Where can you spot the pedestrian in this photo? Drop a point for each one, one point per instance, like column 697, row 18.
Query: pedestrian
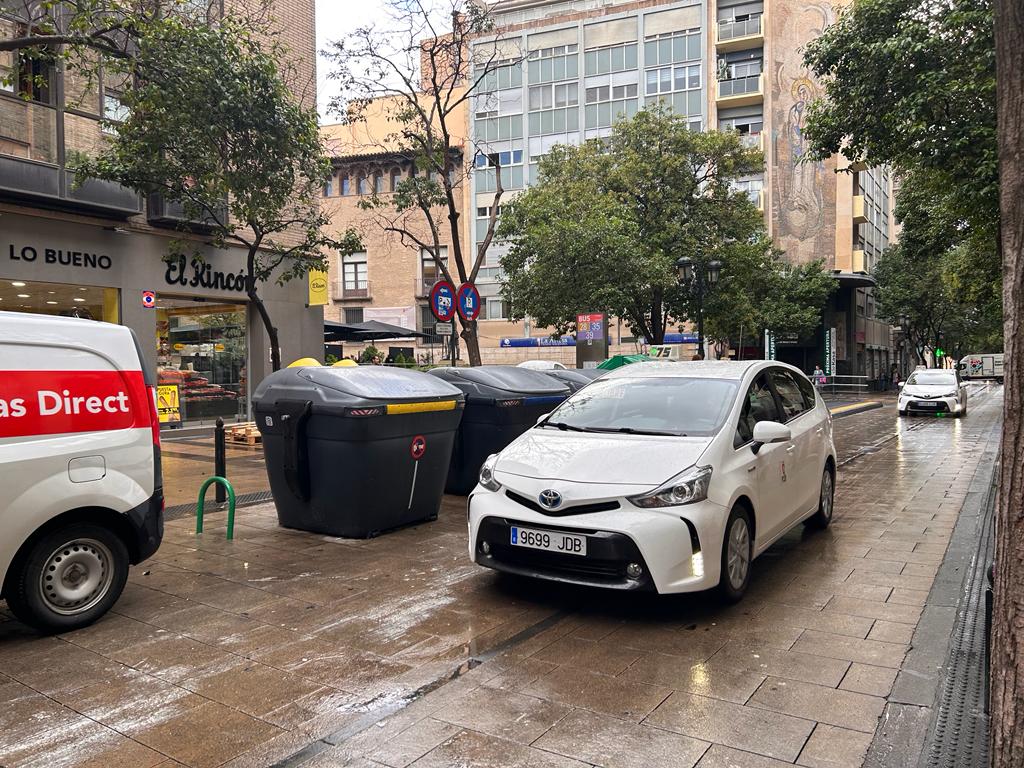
column 818, row 377
column 894, row 376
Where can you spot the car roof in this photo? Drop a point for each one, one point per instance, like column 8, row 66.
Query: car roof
column 704, row 369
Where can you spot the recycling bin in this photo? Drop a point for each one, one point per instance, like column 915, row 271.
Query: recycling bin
column 575, row 378
column 354, row 452
column 502, row 402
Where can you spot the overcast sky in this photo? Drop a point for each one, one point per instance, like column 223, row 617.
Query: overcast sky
column 334, row 19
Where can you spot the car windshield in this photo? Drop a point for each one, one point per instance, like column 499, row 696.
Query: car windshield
column 932, row 378
column 669, row 405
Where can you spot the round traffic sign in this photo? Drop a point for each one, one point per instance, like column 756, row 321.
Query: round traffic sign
column 468, row 303
column 442, row 300
column 418, row 447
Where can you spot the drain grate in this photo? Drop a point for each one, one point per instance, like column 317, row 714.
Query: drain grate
column 242, row 500
column 959, row 733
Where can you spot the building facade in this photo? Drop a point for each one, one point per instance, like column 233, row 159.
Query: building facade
column 572, row 67
column 98, row 250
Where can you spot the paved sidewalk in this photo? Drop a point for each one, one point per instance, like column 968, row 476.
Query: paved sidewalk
column 286, row 648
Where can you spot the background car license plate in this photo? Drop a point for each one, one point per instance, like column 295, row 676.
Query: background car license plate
column 551, row 541
column 927, row 404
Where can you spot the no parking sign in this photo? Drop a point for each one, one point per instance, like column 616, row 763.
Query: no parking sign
column 149, row 299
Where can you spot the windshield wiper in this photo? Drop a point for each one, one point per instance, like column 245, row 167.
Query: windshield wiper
column 634, row 431
column 564, row 427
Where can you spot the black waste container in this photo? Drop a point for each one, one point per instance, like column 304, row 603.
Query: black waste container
column 575, row 378
column 356, row 451
column 502, row 402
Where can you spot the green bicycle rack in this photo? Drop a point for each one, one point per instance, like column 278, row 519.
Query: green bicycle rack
column 202, row 503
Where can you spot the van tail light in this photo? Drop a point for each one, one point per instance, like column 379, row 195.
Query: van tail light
column 154, row 416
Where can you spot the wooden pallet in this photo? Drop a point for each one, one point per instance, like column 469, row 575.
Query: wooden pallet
column 243, row 434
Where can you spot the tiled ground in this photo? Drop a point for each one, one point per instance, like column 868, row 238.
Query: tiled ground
column 244, row 653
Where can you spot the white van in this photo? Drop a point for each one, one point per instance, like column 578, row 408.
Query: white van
column 989, row 366
column 81, row 493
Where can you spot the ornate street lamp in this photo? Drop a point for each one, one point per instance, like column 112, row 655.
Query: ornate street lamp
column 698, row 279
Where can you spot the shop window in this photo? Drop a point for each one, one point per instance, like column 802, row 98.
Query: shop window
column 202, row 355
column 87, row 302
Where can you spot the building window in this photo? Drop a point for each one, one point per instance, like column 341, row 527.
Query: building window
column 550, row 96
column 329, row 187
column 750, row 187
column 500, row 128
column 378, row 183
column 427, row 326
column 739, row 77
column 483, row 219
column 678, row 87
column 500, row 76
column 364, row 184
column 114, row 111
column 346, row 185
column 396, row 179
column 496, row 309
column 554, row 121
column 428, row 265
column 511, row 162
column 672, row 47
column 614, row 58
column 546, row 65
column 608, row 103
column 353, row 270
column 353, row 314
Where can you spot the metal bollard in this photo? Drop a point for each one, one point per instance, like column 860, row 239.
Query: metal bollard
column 220, row 460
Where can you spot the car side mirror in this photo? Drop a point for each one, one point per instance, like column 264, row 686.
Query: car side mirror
column 900, row 385
column 541, row 418
column 767, row 432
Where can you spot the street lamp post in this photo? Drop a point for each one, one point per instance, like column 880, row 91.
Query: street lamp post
column 698, row 279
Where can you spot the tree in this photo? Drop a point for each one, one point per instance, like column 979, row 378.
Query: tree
column 421, row 70
column 607, row 221
column 1007, row 649
column 213, row 125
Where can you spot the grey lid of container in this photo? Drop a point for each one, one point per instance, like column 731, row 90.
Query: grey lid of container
column 353, row 386
column 504, row 379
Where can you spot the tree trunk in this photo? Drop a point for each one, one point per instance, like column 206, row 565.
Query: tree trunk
column 469, row 336
column 275, row 345
column 1007, row 662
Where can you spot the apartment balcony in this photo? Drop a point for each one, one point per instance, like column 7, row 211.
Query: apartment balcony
column 857, row 262
column 860, row 214
column 740, row 91
column 34, row 140
column 347, row 293
column 739, row 35
column 161, row 212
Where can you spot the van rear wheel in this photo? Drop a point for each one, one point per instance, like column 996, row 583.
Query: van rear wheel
column 68, row 578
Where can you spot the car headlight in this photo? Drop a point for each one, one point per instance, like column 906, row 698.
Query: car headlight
column 950, row 394
column 688, row 487
column 487, row 474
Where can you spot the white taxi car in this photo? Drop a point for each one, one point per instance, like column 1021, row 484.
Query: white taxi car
column 933, row 390
column 670, row 477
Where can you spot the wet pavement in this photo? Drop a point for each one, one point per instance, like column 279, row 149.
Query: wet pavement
column 285, row 648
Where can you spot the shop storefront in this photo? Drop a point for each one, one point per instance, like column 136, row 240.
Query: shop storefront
column 199, row 336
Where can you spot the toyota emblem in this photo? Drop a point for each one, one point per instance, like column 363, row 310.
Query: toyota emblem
column 550, row 499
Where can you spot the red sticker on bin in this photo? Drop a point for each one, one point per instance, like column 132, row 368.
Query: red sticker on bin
column 418, row 447
column 55, row 402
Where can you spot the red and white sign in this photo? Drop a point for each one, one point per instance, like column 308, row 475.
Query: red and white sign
column 418, row 447
column 149, row 299
column 55, row 402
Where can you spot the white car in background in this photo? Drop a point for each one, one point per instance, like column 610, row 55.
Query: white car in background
column 933, row 390
column 661, row 477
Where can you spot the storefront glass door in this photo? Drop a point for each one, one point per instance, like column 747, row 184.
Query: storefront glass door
column 202, row 356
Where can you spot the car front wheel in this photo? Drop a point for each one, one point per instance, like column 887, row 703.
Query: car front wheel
column 737, row 553
column 69, row 578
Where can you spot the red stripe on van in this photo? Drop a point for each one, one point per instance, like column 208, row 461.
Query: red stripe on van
column 51, row 402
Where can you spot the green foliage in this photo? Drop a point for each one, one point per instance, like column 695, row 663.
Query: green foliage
column 605, row 225
column 603, row 228
column 370, row 355
column 214, row 126
column 911, row 84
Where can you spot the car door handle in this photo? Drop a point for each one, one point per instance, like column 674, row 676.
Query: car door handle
column 752, row 468
column 790, row 449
